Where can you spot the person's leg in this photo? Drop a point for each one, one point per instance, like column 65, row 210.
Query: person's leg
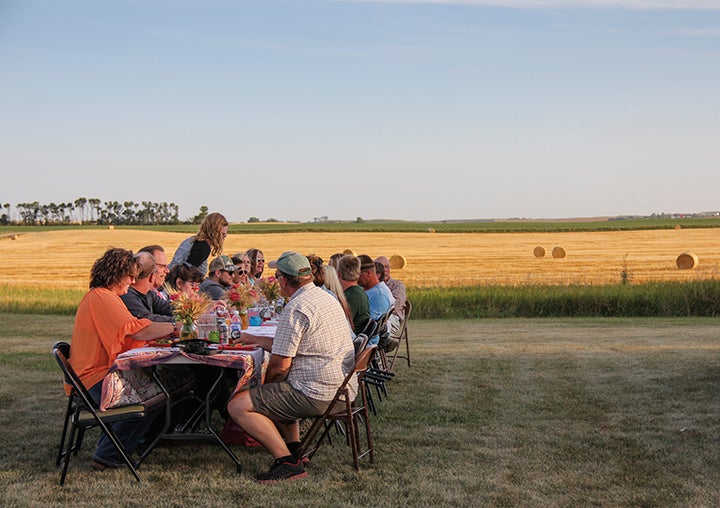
column 257, row 425
column 129, row 433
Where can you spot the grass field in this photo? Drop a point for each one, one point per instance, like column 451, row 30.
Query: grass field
column 568, row 412
column 62, row 258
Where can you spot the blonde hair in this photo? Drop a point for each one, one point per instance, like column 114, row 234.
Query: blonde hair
column 332, row 282
column 211, row 232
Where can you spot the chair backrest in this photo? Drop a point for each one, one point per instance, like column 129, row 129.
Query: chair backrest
column 360, row 342
column 71, row 377
column 362, row 362
column 403, row 325
column 382, row 322
column 369, row 328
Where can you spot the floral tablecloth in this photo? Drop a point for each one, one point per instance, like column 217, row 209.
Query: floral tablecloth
column 251, row 363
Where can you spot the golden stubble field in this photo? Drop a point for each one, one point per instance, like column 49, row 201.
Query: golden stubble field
column 64, row 258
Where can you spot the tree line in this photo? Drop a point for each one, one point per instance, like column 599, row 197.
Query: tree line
column 94, row 211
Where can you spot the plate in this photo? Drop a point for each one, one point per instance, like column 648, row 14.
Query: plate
column 160, row 344
column 236, row 347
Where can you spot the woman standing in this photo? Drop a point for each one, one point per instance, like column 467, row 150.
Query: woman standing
column 208, row 241
column 103, row 329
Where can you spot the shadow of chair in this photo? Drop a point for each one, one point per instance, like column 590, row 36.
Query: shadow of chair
column 350, row 412
column 83, row 413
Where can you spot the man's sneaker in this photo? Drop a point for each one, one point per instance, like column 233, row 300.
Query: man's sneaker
column 298, row 452
column 282, row 470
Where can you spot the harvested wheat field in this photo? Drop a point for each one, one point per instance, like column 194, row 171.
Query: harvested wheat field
column 64, row 258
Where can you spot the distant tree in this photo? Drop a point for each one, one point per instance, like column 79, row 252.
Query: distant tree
column 253, row 219
column 200, row 216
column 80, row 204
column 359, row 220
column 272, row 219
column 94, row 208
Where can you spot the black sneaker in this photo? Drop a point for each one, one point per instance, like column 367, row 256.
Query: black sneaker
column 298, row 452
column 282, row 470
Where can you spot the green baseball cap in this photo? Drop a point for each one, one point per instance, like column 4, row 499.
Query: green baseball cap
column 293, row 264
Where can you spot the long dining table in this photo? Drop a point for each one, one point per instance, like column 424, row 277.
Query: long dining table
column 248, row 361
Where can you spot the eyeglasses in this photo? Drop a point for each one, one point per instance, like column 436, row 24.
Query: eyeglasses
column 240, row 272
column 194, row 285
column 260, row 260
column 160, row 265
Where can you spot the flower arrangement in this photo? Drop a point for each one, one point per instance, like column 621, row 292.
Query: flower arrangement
column 241, row 296
column 187, row 307
column 270, row 288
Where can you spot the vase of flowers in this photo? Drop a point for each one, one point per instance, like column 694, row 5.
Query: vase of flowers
column 187, row 307
column 240, row 297
column 270, row 288
column 188, row 331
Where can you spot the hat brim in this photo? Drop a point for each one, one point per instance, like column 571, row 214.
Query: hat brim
column 272, row 264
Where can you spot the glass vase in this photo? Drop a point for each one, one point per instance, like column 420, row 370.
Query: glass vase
column 189, row 331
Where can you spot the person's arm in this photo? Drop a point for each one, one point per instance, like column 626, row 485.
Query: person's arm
column 259, row 340
column 156, row 331
column 278, row 368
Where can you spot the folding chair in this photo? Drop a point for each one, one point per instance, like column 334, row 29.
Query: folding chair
column 83, row 413
column 346, row 410
column 403, row 337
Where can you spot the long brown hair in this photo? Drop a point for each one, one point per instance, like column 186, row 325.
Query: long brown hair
column 211, row 232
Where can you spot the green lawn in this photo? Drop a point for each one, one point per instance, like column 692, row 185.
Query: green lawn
column 529, row 412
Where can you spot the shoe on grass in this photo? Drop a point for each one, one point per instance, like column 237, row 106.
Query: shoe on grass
column 286, row 468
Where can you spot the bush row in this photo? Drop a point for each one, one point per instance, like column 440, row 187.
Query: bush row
column 658, row 299
column 662, row 299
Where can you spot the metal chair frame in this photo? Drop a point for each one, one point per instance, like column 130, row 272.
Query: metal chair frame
column 83, row 413
column 350, row 414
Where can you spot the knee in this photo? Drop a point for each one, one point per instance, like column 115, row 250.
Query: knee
column 240, row 404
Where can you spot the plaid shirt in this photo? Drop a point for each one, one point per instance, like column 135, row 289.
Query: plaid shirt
column 314, row 332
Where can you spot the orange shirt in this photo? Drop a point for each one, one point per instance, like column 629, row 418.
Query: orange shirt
column 100, row 333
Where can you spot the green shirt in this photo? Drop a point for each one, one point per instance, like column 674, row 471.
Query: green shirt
column 359, row 307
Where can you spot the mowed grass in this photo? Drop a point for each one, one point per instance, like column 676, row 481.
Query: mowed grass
column 63, row 258
column 583, row 412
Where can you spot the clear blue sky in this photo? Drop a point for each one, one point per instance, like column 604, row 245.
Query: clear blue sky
column 407, row 110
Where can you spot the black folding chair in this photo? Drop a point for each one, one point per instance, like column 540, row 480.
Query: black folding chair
column 83, row 413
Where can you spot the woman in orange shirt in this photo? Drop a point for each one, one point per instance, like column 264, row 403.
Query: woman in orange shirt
column 103, row 329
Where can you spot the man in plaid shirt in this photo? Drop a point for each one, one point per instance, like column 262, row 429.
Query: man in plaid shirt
column 312, row 352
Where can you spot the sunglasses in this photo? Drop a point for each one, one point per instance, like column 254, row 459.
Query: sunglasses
column 240, row 272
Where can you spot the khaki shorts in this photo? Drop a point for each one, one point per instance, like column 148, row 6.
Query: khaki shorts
column 282, row 403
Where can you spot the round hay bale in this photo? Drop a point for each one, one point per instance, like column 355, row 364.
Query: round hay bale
column 111, row 226
column 686, row 261
column 678, row 226
column 431, row 230
column 349, row 252
column 558, row 252
column 539, row 252
column 397, row 262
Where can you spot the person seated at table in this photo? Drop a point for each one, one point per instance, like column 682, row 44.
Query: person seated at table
column 397, row 288
column 332, row 284
column 141, row 299
column 257, row 264
column 161, row 268
column 312, row 352
column 103, row 329
column 335, row 259
column 185, row 278
column 242, row 269
column 349, row 273
column 379, row 296
column 220, row 278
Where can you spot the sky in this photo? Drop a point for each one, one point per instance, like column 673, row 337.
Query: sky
column 414, row 110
